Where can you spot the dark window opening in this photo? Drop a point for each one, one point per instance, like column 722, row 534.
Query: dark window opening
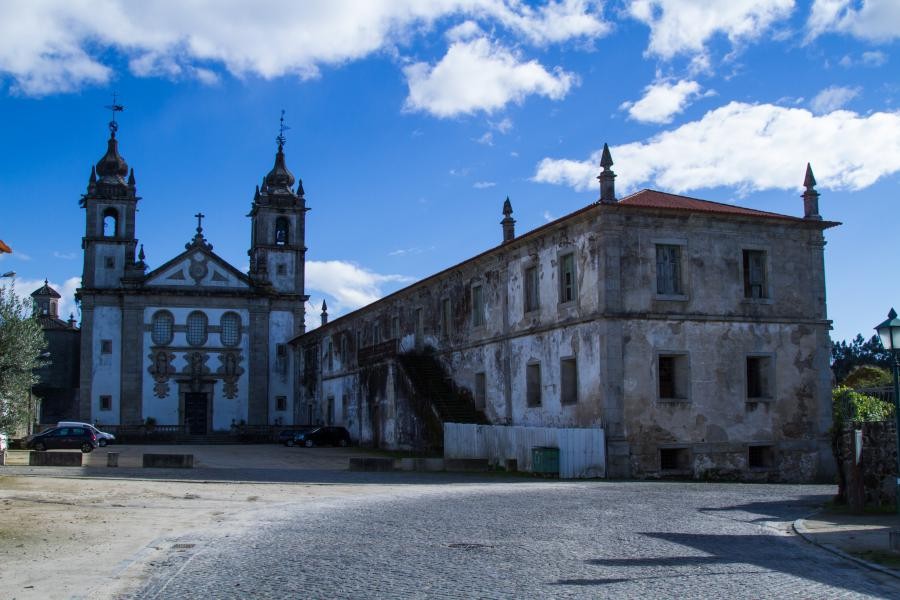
column 163, row 326
column 668, row 270
column 480, row 390
column 755, row 284
column 674, row 459
column 532, row 296
column 105, row 346
column 445, row 316
column 533, row 384
column 109, row 262
column 673, row 377
column 395, row 328
column 568, row 375
column 196, row 328
column 281, row 269
column 282, row 231
column 105, row 402
column 759, row 379
column 761, row 457
column 281, row 403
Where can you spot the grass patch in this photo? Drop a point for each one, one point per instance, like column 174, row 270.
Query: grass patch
column 885, row 559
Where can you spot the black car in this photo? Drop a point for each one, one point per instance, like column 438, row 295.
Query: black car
column 321, row 436
column 286, row 436
column 63, row 438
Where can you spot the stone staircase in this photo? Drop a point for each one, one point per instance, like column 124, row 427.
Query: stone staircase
column 435, row 388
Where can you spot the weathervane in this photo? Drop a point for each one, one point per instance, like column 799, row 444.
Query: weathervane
column 114, row 108
column 281, row 129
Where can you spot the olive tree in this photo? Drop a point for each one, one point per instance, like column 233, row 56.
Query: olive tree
column 21, row 344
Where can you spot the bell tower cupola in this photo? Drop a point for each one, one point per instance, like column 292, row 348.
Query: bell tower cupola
column 110, row 205
column 278, row 227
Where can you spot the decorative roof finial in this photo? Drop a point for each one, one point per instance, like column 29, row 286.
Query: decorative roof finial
column 324, row 313
column 281, row 129
column 141, row 255
column 508, row 223
column 810, row 196
column 199, row 216
column 114, row 108
column 607, row 178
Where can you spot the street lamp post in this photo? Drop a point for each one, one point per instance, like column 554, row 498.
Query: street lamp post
column 889, row 332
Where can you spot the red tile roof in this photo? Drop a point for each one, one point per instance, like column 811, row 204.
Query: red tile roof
column 5, row 248
column 655, row 199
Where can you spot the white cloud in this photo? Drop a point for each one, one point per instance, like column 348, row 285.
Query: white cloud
column 874, row 20
column 487, row 139
column 684, row 26
column 483, row 185
column 350, row 285
column 873, row 59
column 504, row 126
column 480, row 75
column 832, row 98
column 662, row 101
column 749, row 147
column 65, row 255
column 55, row 46
column 66, row 289
column 548, row 217
column 464, row 31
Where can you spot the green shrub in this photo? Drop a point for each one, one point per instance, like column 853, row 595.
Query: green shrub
column 868, row 376
column 850, row 405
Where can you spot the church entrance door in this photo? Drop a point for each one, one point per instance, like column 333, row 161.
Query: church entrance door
column 195, row 405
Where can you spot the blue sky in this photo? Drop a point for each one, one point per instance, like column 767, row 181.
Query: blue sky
column 412, row 121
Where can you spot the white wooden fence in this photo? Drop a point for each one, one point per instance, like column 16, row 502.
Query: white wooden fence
column 582, row 452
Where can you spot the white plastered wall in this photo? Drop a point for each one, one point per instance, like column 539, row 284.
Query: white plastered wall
column 106, row 369
column 281, row 327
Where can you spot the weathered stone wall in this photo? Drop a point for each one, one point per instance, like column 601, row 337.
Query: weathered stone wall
column 617, row 326
column 872, row 482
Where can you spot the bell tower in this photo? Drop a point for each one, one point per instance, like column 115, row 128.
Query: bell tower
column 278, row 228
column 110, row 205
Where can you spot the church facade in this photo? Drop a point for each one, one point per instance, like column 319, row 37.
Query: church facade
column 194, row 342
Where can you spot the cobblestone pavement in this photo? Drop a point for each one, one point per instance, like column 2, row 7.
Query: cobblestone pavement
column 506, row 539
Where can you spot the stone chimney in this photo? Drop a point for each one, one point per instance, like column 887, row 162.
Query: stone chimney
column 607, row 178
column 810, row 196
column 508, row 223
column 324, row 313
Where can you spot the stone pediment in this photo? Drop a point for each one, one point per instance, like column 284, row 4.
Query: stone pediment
column 197, row 267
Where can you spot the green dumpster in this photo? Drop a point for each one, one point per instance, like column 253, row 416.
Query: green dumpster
column 545, row 460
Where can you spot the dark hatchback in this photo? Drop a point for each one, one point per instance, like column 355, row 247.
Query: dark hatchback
column 63, row 438
column 322, row 436
column 286, row 436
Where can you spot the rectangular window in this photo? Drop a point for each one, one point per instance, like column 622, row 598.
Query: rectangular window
column 568, row 381
column 281, row 269
column 105, row 346
column 105, row 402
column 445, row 316
column 533, row 384
column 329, row 415
column 668, row 270
column 674, row 459
column 281, row 350
column 344, row 348
column 567, row 278
column 420, row 324
column 674, row 376
column 395, row 328
column 755, row 284
column 376, row 333
column 760, row 457
column 759, row 377
column 477, row 306
column 281, row 403
column 109, row 262
column 359, row 340
column 480, row 390
column 532, row 297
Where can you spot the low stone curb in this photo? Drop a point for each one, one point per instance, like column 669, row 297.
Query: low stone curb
column 800, row 529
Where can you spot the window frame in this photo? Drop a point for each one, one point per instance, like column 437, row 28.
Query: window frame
column 480, row 390
column 676, row 355
column 681, row 276
column 478, row 312
column 157, row 318
column 564, row 299
column 531, row 301
column 769, row 366
column 530, row 392
column 187, row 329
column 223, row 327
column 106, row 347
column 747, row 252
column 446, row 316
column 105, row 402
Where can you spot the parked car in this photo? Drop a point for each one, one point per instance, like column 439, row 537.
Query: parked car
column 63, row 438
column 286, row 436
column 320, row 436
column 103, row 438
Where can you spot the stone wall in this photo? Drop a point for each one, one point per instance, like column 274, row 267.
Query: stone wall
column 871, row 482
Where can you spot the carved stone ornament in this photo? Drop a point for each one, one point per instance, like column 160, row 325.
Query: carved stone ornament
column 161, row 370
column 198, row 270
column 230, row 371
column 196, row 368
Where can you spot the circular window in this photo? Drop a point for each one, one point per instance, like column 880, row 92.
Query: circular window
column 231, row 329
column 196, row 328
column 161, row 332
